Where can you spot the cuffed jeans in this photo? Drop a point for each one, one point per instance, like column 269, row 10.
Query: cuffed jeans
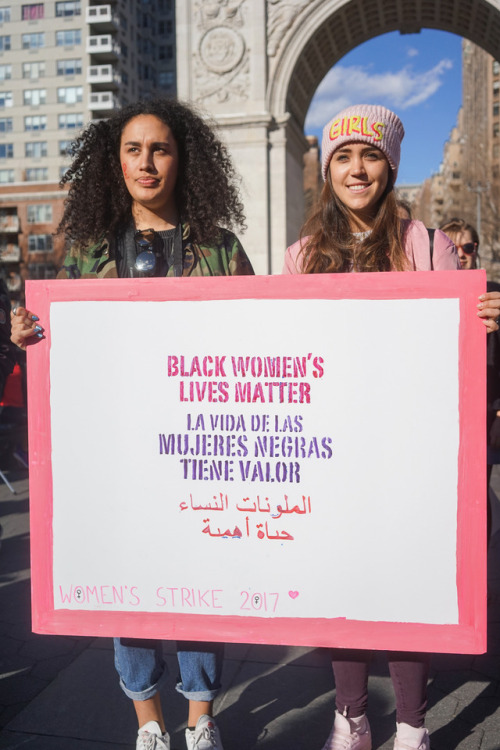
column 141, row 668
column 409, row 674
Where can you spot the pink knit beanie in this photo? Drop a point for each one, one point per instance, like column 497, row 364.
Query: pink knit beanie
column 364, row 123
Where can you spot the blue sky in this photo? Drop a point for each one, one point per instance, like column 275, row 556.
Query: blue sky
column 418, row 76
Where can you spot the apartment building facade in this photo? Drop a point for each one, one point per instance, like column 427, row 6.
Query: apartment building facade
column 468, row 182
column 62, row 65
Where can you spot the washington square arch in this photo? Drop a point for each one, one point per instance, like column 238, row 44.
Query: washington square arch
column 254, row 66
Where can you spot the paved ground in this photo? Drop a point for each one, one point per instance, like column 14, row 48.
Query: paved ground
column 58, row 693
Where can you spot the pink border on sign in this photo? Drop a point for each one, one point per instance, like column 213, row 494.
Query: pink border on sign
column 469, row 636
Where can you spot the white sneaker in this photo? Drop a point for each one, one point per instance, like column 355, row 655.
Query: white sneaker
column 150, row 737
column 206, row 736
column 410, row 738
column 342, row 737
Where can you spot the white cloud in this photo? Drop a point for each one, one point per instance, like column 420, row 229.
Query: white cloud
column 402, row 89
column 412, row 52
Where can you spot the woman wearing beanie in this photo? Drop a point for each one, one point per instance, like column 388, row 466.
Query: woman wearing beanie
column 355, row 227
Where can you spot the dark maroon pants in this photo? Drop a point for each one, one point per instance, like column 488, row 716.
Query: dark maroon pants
column 409, row 673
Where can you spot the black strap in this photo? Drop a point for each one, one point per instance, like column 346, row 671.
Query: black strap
column 126, row 252
column 431, row 245
column 178, row 250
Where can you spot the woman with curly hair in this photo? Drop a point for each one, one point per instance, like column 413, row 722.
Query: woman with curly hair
column 148, row 192
column 356, row 227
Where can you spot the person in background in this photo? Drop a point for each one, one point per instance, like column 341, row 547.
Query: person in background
column 466, row 239
column 149, row 192
column 356, row 227
column 8, row 353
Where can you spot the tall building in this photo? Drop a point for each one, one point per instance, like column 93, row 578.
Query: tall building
column 481, row 148
column 62, row 65
column 468, row 182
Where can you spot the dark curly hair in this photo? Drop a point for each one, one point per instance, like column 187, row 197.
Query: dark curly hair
column 98, row 201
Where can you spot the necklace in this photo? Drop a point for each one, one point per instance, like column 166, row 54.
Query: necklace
column 360, row 236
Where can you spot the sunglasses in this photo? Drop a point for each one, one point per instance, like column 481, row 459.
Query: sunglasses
column 145, row 261
column 468, row 247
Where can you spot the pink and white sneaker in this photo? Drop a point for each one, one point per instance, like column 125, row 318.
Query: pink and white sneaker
column 411, row 738
column 344, row 737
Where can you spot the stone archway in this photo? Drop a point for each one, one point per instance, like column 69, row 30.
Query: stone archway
column 254, row 65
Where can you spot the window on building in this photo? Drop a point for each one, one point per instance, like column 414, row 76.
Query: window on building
column 65, row 148
column 166, row 78
column 70, row 121
column 69, row 8
column 496, row 129
column 35, row 149
column 35, row 122
column 6, row 175
column 62, row 172
column 145, row 46
column 6, row 150
column 32, row 11
column 39, row 213
column 496, row 67
column 33, row 41
column 69, row 67
column 496, row 150
column 165, row 27
column 5, row 14
column 5, row 124
column 33, row 70
column 37, row 174
column 68, row 38
column 35, row 97
column 39, row 243
column 496, row 88
column 4, row 43
column 42, row 271
column 69, row 94
column 5, row 72
column 6, row 99
column 496, row 109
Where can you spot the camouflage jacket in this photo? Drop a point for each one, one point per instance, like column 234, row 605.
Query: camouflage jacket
column 224, row 257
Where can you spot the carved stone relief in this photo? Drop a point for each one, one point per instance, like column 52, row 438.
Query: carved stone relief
column 221, row 63
column 281, row 14
column 221, row 49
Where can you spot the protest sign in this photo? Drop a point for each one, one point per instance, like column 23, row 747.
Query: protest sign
column 261, row 459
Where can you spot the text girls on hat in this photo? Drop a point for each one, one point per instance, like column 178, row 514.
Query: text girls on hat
column 364, row 123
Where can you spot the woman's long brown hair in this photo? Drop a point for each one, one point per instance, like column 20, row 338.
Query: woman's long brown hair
column 330, row 246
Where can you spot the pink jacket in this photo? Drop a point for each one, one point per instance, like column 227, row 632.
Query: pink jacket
column 444, row 257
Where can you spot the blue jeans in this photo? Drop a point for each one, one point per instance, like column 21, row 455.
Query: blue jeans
column 141, row 668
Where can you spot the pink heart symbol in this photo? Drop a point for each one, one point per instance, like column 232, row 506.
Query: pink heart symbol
column 293, row 594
